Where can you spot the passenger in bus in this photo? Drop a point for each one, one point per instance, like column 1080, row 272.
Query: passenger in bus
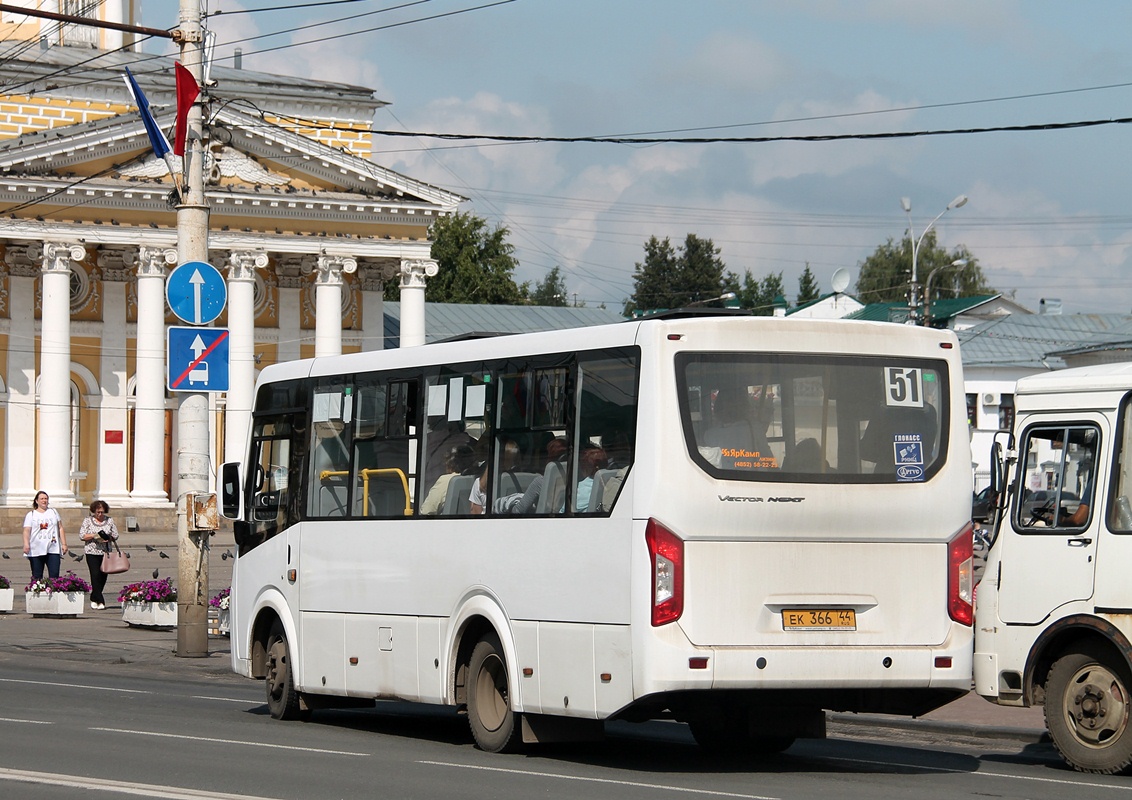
column 443, row 436
column 459, row 458
column 741, row 439
column 509, row 456
column 590, row 460
column 806, row 458
column 557, row 449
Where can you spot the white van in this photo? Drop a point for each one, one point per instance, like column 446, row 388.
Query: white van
column 1053, row 614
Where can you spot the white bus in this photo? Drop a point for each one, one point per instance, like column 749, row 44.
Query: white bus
column 1054, row 610
column 730, row 521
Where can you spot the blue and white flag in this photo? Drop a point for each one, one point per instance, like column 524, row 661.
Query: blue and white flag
column 161, row 146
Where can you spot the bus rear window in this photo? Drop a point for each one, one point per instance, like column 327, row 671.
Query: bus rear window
column 814, row 418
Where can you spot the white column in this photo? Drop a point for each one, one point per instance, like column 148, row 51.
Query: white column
column 149, row 403
column 413, row 274
column 113, row 416
column 241, row 349
column 328, row 303
column 290, row 271
column 55, row 372
column 19, row 436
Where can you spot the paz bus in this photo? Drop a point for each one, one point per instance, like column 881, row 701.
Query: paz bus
column 1054, row 610
column 734, row 522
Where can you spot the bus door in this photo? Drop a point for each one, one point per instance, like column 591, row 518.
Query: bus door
column 1113, row 589
column 1049, row 544
column 273, row 496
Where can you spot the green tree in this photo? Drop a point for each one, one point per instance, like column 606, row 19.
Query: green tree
column 771, row 292
column 476, row 264
column 551, row 290
column 671, row 277
column 885, row 276
column 807, row 286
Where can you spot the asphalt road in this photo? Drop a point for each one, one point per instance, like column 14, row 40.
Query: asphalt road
column 189, row 729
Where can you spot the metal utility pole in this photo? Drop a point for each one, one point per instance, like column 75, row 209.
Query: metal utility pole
column 192, row 411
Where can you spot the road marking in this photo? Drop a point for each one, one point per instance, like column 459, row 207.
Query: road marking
column 119, row 787
column 1034, row 778
column 214, row 740
column 635, row 784
column 76, row 686
column 256, row 702
column 28, row 721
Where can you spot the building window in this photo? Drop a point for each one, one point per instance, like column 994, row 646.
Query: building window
column 1006, row 413
column 972, row 410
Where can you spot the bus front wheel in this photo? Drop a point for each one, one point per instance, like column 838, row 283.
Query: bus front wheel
column 1087, row 711
column 495, row 726
column 282, row 699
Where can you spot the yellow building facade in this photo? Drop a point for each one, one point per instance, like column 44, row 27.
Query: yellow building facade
column 305, row 228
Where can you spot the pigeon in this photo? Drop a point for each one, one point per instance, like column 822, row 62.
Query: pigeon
column 5, row 555
column 76, row 556
column 162, row 554
column 150, row 548
column 155, row 573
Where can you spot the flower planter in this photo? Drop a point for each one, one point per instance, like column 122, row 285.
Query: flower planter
column 224, row 621
column 150, row 615
column 7, row 596
column 55, row 604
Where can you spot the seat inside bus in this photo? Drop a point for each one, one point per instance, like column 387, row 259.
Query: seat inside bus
column 456, row 499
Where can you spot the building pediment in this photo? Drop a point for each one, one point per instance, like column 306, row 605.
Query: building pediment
column 244, row 150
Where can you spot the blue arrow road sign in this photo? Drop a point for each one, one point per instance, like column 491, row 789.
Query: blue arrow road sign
column 196, row 292
column 197, row 359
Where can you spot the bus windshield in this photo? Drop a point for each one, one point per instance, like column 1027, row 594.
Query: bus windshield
column 773, row 417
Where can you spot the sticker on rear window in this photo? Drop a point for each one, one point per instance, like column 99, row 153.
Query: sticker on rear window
column 904, row 387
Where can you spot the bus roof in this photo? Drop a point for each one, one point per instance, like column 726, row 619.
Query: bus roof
column 1098, row 377
column 830, row 333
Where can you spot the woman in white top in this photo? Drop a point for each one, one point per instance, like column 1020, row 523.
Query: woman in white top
column 44, row 541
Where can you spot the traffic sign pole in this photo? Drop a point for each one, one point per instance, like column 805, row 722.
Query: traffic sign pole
column 193, row 466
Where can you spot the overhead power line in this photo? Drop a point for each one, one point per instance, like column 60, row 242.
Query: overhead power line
column 830, row 137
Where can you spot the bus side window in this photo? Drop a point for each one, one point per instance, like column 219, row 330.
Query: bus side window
column 1120, row 512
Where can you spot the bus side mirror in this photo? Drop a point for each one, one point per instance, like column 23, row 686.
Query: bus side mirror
column 997, row 478
column 230, row 490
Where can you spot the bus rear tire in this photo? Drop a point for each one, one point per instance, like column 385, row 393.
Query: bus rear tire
column 495, row 725
column 1087, row 711
column 282, row 699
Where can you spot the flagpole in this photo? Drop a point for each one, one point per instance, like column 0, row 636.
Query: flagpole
column 193, row 466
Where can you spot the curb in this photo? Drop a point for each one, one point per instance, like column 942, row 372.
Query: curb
column 948, row 729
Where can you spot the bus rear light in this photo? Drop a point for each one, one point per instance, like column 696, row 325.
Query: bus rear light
column 666, row 555
column 960, row 580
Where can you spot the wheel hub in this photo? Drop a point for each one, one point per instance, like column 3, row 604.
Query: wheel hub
column 1098, row 709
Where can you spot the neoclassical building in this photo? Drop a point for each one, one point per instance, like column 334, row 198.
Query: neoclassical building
column 304, row 225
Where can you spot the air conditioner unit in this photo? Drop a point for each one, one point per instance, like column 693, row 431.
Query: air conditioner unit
column 990, row 399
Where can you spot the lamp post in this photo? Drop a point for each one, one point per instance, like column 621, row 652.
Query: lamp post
column 960, row 263
column 914, row 287
column 724, row 297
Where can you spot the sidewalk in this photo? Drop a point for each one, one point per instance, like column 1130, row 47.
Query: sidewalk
column 101, row 638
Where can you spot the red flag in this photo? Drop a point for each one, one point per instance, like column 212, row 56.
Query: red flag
column 187, row 91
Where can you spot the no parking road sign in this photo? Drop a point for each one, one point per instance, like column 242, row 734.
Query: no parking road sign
column 197, row 359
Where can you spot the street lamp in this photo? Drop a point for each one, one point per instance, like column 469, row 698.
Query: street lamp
column 960, row 263
column 724, row 297
column 914, row 288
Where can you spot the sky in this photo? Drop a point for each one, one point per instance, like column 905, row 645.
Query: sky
column 1049, row 213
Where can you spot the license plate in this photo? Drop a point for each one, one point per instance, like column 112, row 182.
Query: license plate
column 819, row 619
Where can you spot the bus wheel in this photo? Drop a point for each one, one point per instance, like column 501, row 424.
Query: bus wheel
column 495, row 726
column 282, row 699
column 1087, row 711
